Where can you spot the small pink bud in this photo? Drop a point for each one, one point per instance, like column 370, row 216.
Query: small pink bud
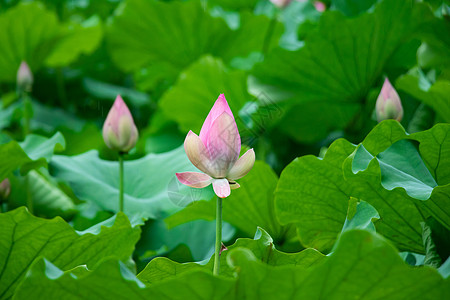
column 5, row 189
column 388, row 104
column 119, row 131
column 24, row 77
column 320, row 6
column 281, row 3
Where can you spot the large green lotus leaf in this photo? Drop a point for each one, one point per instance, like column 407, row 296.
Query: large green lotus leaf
column 363, row 266
column 112, row 280
column 198, row 236
column 400, row 168
column 34, row 152
column 191, row 98
column 48, row 199
column 262, row 246
column 151, row 188
column 33, row 34
column 325, row 83
column 314, row 193
column 435, row 96
column 24, row 238
column 235, row 5
column 77, row 39
column 247, row 207
column 28, row 33
column 435, row 151
column 177, row 34
column 352, row 7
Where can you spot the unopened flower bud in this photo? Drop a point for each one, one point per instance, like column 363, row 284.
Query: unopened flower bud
column 320, row 6
column 119, row 131
column 5, row 189
column 24, row 77
column 281, row 3
column 388, row 104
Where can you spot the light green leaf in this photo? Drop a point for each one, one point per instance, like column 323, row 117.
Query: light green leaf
column 360, row 215
column 24, row 238
column 151, row 188
column 48, row 199
column 248, row 207
column 34, row 152
column 326, row 82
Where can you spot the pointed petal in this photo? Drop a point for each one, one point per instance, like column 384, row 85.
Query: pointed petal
column 233, row 184
column 194, row 179
column 223, row 145
column 219, row 107
column 197, row 153
column 242, row 166
column 221, row 187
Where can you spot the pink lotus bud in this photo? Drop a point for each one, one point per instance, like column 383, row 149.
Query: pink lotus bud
column 216, row 152
column 281, row 3
column 320, row 6
column 24, row 77
column 119, row 131
column 5, row 189
column 388, row 104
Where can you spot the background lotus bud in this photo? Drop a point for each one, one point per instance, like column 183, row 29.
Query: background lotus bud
column 5, row 189
column 281, row 3
column 320, row 6
column 216, row 152
column 24, row 77
column 388, row 104
column 119, row 131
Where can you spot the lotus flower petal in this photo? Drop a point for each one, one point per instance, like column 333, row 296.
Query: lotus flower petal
column 221, row 187
column 233, row 184
column 194, row 179
column 242, row 166
column 197, row 153
column 220, row 106
column 223, row 145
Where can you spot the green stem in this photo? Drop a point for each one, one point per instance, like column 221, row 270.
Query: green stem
column 27, row 111
column 29, row 198
column 121, row 181
column 218, row 236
